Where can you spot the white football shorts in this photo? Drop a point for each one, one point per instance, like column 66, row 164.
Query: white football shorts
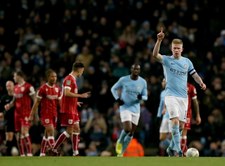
column 127, row 115
column 176, row 107
column 165, row 126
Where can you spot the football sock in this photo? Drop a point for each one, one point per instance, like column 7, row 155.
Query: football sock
column 21, row 146
column 121, row 137
column 28, row 144
column 75, row 142
column 165, row 143
column 176, row 137
column 171, row 145
column 127, row 140
column 184, row 144
column 43, row 145
column 61, row 139
column 51, row 141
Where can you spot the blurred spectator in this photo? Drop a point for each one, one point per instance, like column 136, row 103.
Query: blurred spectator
column 85, row 57
column 92, row 150
column 220, row 41
column 223, row 148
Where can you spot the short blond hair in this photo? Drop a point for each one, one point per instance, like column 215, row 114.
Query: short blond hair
column 177, row 41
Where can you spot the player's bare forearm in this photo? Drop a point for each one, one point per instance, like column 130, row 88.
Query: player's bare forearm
column 198, row 79
column 68, row 93
column 197, row 112
column 34, row 109
column 160, row 37
column 33, row 97
column 156, row 49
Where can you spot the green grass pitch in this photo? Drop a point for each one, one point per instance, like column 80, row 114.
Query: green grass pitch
column 111, row 161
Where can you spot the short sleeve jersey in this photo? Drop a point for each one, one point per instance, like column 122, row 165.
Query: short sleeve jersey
column 23, row 100
column 49, row 96
column 69, row 104
column 176, row 72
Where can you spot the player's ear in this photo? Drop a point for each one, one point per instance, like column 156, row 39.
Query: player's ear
column 131, row 68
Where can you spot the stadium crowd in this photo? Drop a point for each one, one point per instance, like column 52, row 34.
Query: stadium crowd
column 108, row 36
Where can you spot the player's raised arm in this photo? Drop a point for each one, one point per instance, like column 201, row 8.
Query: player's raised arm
column 155, row 53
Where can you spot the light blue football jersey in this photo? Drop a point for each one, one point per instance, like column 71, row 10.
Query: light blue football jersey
column 129, row 91
column 176, row 74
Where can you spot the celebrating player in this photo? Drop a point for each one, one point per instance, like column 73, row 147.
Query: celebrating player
column 176, row 70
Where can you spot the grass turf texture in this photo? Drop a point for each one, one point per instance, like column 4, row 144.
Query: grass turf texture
column 111, row 161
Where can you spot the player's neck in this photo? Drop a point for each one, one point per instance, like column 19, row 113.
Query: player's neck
column 50, row 84
column 74, row 74
column 21, row 82
column 177, row 56
column 134, row 77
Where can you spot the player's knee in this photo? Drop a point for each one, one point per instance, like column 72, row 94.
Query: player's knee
column 162, row 137
column 67, row 133
column 10, row 138
column 175, row 121
column 127, row 130
column 182, row 125
column 49, row 130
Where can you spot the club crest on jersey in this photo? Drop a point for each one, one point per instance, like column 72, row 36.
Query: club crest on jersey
column 185, row 66
column 70, row 121
column 47, row 121
column 68, row 82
